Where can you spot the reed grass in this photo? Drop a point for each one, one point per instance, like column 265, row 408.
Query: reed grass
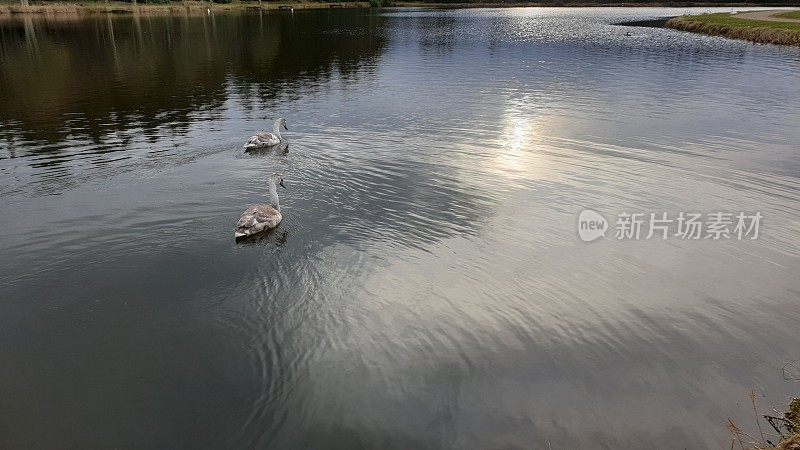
column 786, row 426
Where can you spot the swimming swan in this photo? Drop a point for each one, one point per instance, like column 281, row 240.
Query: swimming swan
column 262, row 217
column 264, row 139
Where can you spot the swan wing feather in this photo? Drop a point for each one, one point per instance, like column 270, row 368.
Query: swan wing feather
column 257, row 219
column 262, row 139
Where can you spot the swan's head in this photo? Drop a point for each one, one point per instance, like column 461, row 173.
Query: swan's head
column 277, row 178
column 281, row 122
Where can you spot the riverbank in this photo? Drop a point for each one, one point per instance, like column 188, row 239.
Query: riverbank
column 764, row 27
column 193, row 5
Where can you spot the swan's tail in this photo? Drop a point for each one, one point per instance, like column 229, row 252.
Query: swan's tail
column 251, row 143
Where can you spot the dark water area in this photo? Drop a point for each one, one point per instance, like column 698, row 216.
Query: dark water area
column 427, row 287
column 646, row 23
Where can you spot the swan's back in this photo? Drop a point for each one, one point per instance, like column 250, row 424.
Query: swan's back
column 257, row 219
column 261, row 140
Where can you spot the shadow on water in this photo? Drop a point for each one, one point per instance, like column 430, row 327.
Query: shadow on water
column 282, row 149
column 656, row 23
column 277, row 236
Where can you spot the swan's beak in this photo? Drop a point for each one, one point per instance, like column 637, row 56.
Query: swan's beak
column 281, row 183
column 285, row 128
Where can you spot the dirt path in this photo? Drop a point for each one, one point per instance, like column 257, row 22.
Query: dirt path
column 765, row 15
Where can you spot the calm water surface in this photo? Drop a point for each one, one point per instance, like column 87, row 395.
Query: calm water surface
column 427, row 288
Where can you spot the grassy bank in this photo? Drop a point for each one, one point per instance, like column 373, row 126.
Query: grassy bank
column 795, row 15
column 730, row 26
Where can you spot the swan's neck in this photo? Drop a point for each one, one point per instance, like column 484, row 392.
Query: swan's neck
column 276, row 129
column 273, row 196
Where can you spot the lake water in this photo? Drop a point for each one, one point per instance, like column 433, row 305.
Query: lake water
column 427, row 287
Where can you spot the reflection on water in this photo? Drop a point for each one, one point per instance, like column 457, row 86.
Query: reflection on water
column 427, row 287
column 94, row 89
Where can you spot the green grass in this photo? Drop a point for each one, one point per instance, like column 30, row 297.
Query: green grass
column 729, row 21
column 789, row 15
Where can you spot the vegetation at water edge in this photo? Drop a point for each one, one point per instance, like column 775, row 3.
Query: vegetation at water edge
column 730, row 26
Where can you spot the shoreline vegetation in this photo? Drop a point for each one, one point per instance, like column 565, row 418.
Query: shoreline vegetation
column 772, row 31
column 781, row 431
column 167, row 7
